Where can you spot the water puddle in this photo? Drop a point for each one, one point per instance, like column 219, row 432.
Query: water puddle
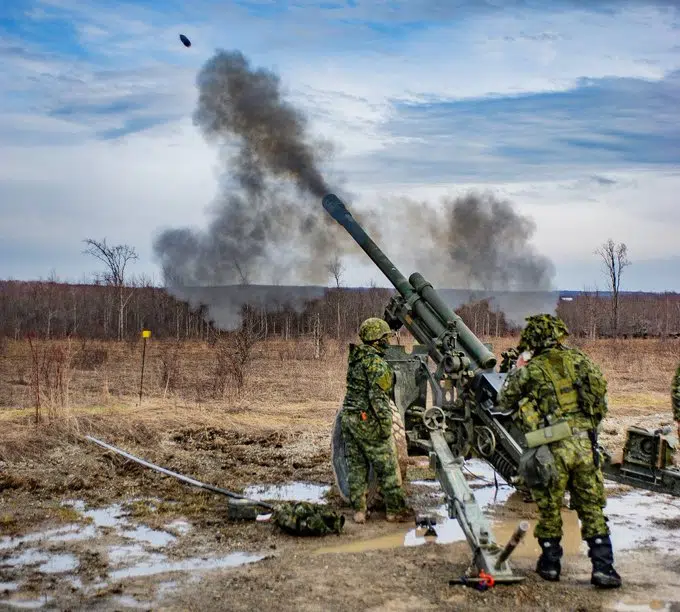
column 158, row 564
column 635, row 518
column 27, row 604
column 46, row 563
column 151, row 536
column 61, row 534
column 294, row 491
column 127, row 601
column 653, row 605
column 132, row 550
column 109, row 517
column 640, row 518
column 131, row 554
column 98, row 521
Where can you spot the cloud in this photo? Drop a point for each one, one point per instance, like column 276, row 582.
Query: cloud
column 568, row 109
column 607, row 124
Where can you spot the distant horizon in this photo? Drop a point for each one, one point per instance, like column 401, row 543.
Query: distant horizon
column 561, row 292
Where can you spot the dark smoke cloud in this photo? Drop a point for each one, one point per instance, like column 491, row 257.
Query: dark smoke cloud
column 489, row 241
column 235, row 100
column 267, row 224
column 474, row 242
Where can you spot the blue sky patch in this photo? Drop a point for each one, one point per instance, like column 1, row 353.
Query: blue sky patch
column 573, row 100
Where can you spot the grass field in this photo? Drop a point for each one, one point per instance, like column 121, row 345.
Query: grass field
column 94, row 386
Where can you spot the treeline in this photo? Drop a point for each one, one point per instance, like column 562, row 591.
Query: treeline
column 590, row 314
column 46, row 309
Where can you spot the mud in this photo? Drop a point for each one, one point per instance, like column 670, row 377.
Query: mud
column 158, row 544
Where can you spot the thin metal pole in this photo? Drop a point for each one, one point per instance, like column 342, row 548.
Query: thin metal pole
column 186, row 479
column 141, row 381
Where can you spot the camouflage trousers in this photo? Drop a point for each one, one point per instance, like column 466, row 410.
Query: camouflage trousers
column 366, row 445
column 576, row 473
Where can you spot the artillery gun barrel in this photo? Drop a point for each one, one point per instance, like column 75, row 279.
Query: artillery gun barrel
column 336, row 209
column 432, row 309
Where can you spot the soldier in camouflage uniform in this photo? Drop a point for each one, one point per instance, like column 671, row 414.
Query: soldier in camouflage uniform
column 366, row 421
column 675, row 398
column 562, row 384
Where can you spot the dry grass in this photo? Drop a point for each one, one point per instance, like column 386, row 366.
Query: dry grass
column 286, row 389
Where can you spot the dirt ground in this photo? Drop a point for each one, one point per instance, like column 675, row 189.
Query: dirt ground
column 82, row 528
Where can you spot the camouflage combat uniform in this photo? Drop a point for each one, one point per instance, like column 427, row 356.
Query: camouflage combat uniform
column 366, row 421
column 675, row 397
column 531, row 393
column 307, row 519
column 560, row 383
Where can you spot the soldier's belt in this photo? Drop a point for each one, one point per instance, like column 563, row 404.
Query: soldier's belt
column 552, row 433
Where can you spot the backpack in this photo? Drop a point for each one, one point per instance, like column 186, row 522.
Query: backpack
column 592, row 390
column 307, row 519
column 578, row 383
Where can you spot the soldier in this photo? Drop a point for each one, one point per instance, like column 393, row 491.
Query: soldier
column 366, row 421
column 562, row 388
column 675, row 398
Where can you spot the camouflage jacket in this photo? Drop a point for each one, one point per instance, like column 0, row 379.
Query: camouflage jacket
column 675, row 395
column 530, row 393
column 369, row 382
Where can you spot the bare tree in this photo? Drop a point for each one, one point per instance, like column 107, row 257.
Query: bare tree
column 615, row 259
column 336, row 269
column 243, row 273
column 51, row 306
column 116, row 259
column 235, row 352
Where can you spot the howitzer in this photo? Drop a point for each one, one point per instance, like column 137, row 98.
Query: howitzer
column 464, row 419
column 463, row 416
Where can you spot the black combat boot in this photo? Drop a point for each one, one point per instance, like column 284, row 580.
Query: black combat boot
column 602, row 557
column 548, row 566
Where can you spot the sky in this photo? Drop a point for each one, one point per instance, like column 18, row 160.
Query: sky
column 569, row 109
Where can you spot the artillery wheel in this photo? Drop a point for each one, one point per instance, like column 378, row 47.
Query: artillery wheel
column 459, row 438
column 339, row 462
column 485, row 441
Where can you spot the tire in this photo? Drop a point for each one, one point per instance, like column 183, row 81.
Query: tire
column 339, row 462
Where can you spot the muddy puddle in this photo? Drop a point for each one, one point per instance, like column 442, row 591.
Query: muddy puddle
column 653, row 605
column 294, row 491
column 124, row 550
column 636, row 518
column 103, row 548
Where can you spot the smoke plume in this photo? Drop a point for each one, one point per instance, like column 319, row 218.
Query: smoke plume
column 474, row 242
column 267, row 224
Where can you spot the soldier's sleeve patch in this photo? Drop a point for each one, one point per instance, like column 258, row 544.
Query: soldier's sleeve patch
column 384, row 381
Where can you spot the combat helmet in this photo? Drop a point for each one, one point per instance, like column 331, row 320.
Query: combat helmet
column 374, row 329
column 541, row 332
